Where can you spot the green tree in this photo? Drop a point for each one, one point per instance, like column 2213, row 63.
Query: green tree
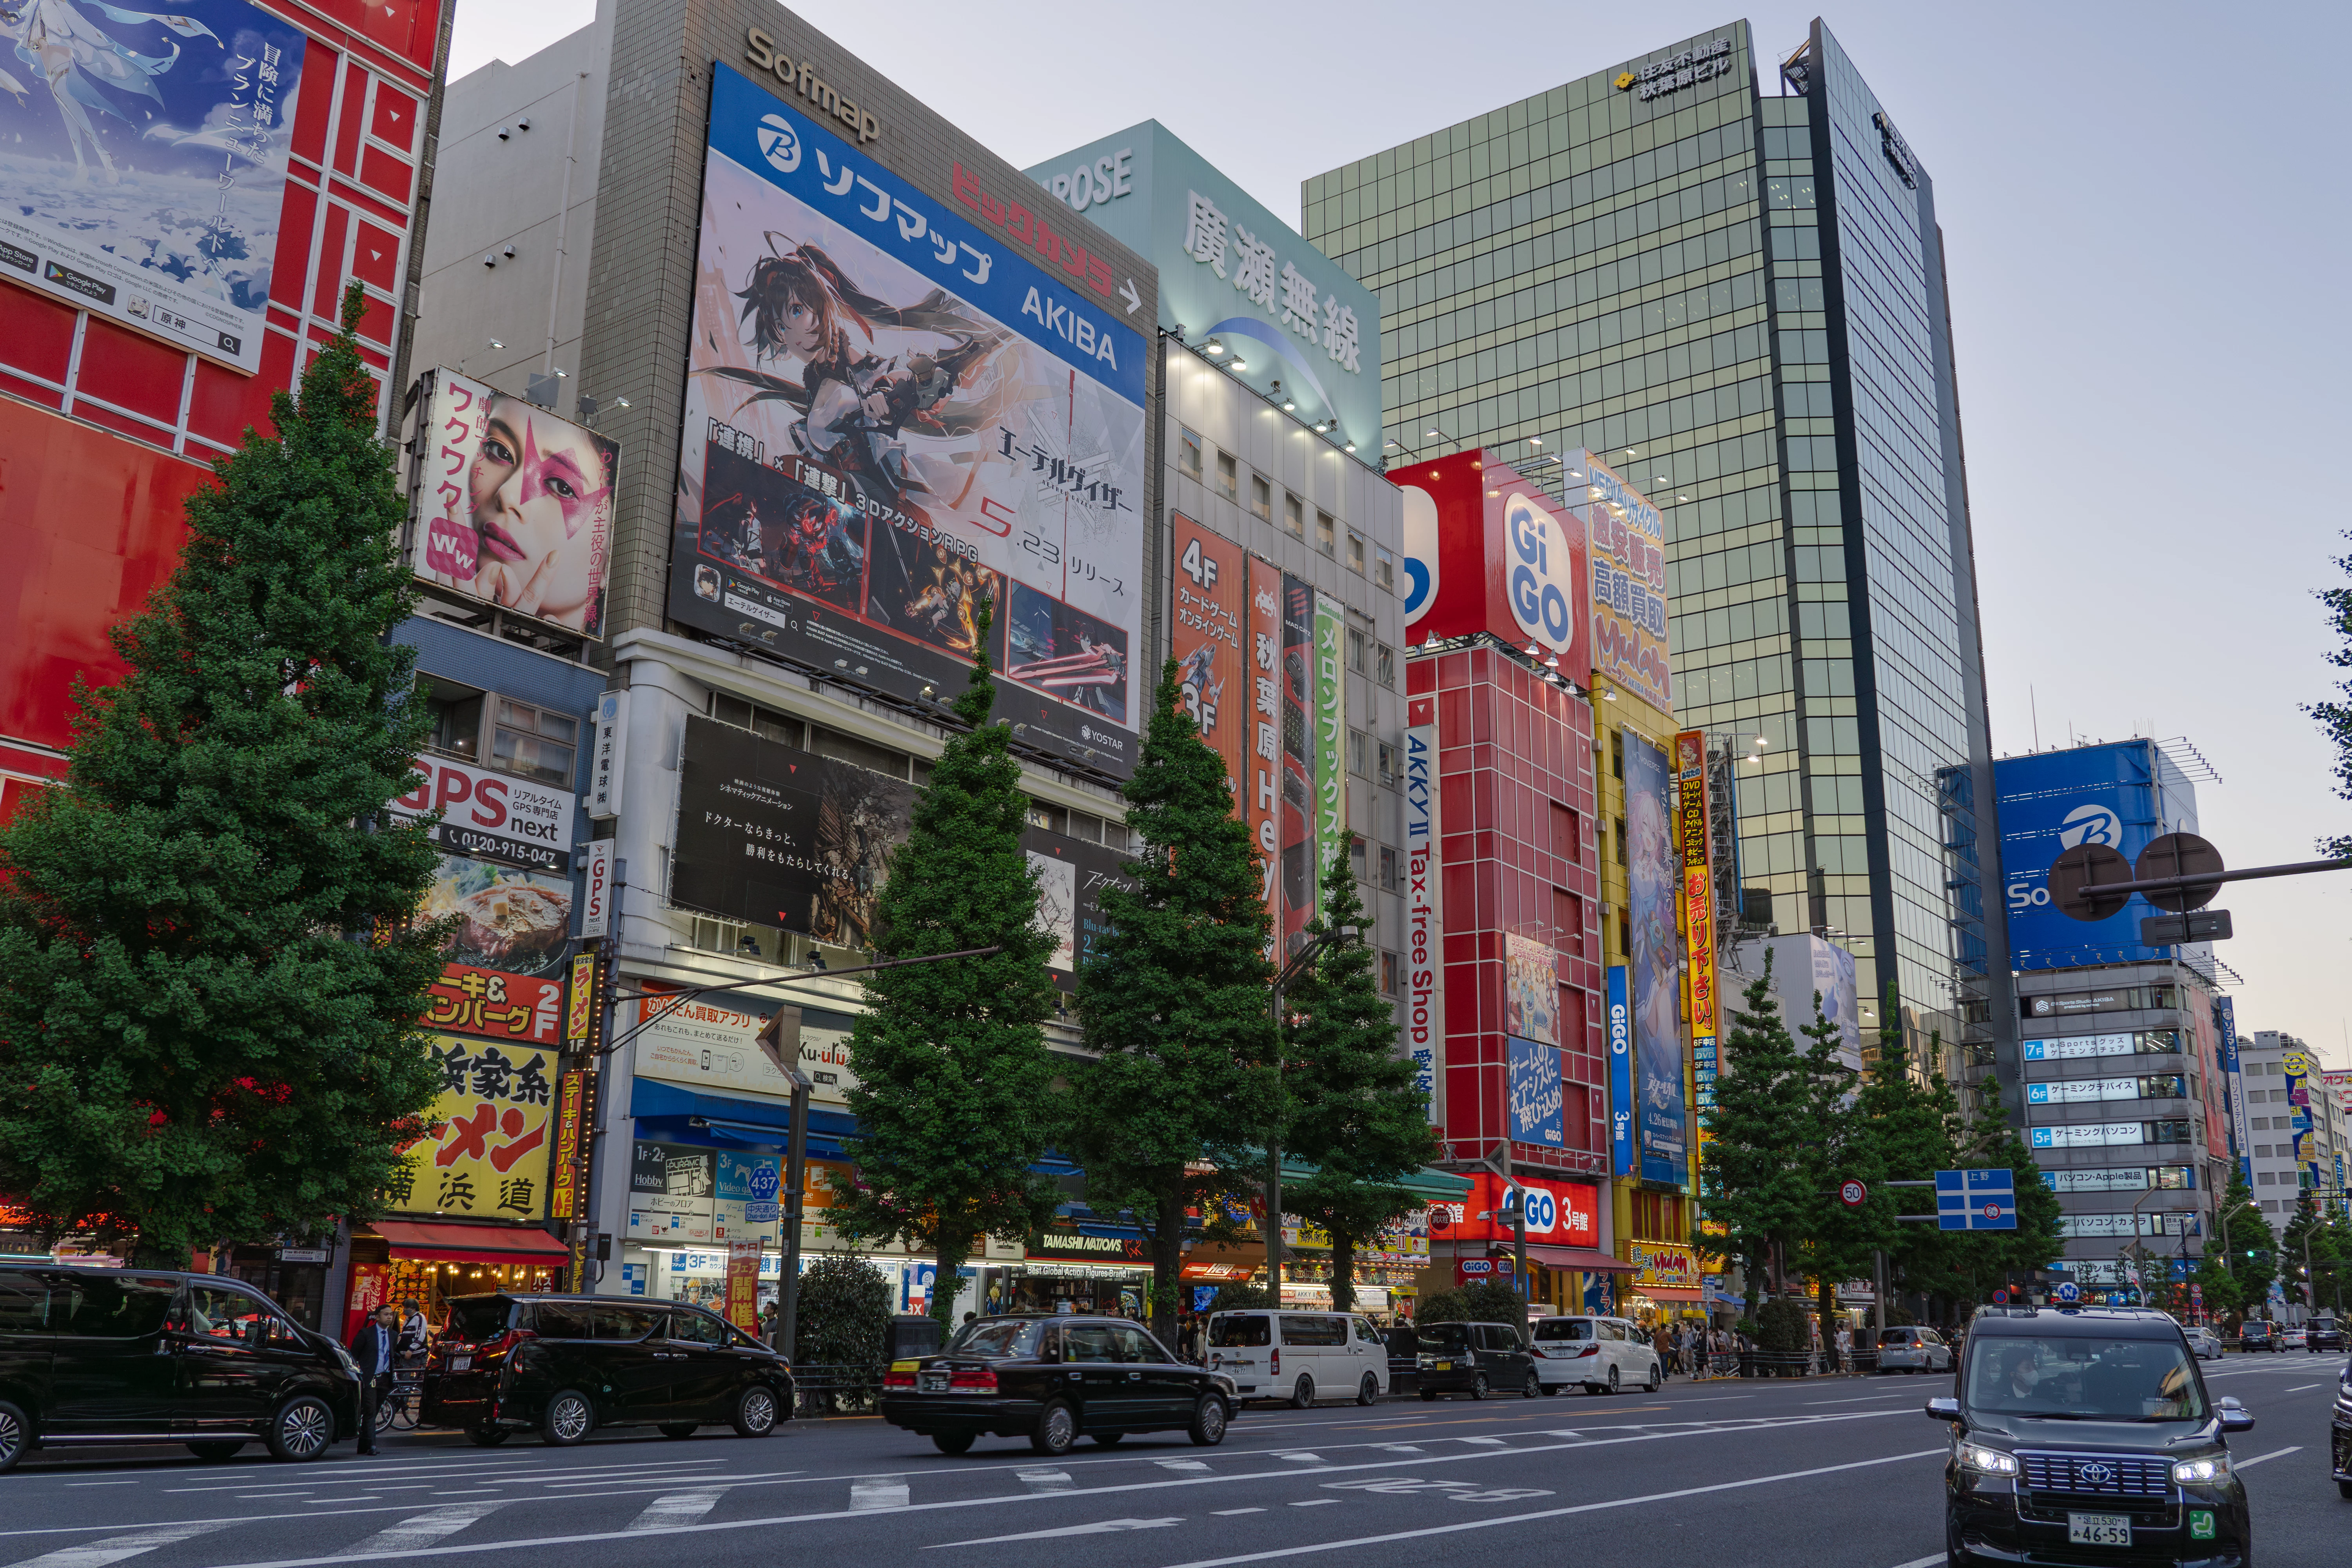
column 1909, row 1118
column 1990, row 1256
column 1349, row 1101
column 209, row 982
column 1832, row 1145
column 1757, row 1182
column 842, row 1323
column 2247, row 1245
column 2303, row 1246
column 1175, row 1003
column 2336, row 718
column 954, row 1099
column 1483, row 1302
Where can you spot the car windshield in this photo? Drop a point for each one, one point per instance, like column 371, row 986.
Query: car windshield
column 2070, row 1379
column 1243, row 1332
column 1444, row 1336
column 1001, row 1338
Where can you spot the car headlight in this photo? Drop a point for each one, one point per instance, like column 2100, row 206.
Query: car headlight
column 2213, row 1467
column 345, row 1357
column 1987, row 1461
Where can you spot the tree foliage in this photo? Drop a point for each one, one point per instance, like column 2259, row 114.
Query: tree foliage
column 1174, row 1002
column 1349, row 1101
column 209, row 982
column 2247, row 1245
column 954, row 1099
column 1483, row 1302
column 843, row 1319
column 2335, row 717
column 1757, row 1184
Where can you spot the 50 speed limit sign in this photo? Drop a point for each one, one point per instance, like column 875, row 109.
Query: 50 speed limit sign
column 1852, row 1195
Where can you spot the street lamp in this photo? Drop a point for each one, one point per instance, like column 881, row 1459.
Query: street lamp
column 1299, row 960
column 788, row 1287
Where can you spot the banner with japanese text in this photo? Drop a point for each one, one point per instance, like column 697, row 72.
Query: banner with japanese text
column 1424, row 957
column 563, row 1170
column 1331, row 834
column 1698, row 882
column 1205, row 638
column 1301, row 875
column 1261, row 791
column 1628, row 585
column 490, row 1156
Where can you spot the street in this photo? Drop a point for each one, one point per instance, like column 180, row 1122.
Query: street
column 1829, row 1473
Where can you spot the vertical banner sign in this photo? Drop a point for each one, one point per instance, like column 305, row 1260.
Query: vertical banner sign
column 597, row 900
column 1698, row 881
column 563, row 1170
column 1299, row 869
column 579, row 1013
column 2241, row 1129
column 1205, row 638
column 1330, row 737
column 1425, row 949
column 1620, row 1074
column 605, row 764
column 1262, row 799
column 2297, row 1071
column 1654, row 885
column 743, row 1284
column 1628, row 585
column 1533, row 1085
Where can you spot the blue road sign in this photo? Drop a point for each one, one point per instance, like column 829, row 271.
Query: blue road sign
column 2070, row 1293
column 1976, row 1199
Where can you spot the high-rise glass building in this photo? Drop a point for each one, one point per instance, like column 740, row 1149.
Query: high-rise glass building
column 1727, row 280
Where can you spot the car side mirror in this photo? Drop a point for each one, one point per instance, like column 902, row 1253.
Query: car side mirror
column 1942, row 1409
column 2235, row 1417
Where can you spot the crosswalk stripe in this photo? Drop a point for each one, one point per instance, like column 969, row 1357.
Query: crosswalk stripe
column 677, row 1509
column 115, row 1548
column 1181, row 1463
column 1301, row 1459
column 1047, row 1480
column 1489, row 1442
column 879, row 1491
column 423, row 1529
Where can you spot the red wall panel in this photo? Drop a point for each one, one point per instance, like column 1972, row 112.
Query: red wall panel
column 132, row 370
column 385, row 173
column 35, row 336
column 395, row 118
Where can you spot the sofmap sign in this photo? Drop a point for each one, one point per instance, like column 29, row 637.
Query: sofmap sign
column 2119, row 795
column 1230, row 270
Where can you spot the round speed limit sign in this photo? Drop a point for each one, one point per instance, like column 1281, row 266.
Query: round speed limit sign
column 1854, row 1195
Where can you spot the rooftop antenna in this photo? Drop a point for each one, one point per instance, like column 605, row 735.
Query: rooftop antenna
column 2033, row 706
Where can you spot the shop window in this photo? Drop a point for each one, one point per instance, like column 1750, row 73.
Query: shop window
column 1187, row 452
column 763, row 721
column 1355, row 551
column 1324, row 533
column 457, row 714
column 1392, row 869
column 1388, row 967
column 1357, row 644
column 1261, row 499
column 1384, row 568
column 762, row 944
column 1384, row 664
column 533, row 742
column 1360, row 747
column 1052, row 818
column 1292, row 516
column 1566, row 838
column 1392, row 772
column 1225, row 480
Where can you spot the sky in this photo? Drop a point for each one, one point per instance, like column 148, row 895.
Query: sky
column 2144, row 230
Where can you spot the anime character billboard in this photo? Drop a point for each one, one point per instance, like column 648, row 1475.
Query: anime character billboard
column 514, row 504
column 145, row 162
column 893, row 415
column 1653, row 877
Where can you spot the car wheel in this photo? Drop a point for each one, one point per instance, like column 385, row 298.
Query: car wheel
column 1107, row 1439
column 755, row 1412
column 1057, row 1428
column 952, row 1442
column 2343, row 1488
column 1478, row 1386
column 1208, row 1428
column 1612, row 1380
column 1428, row 1395
column 1533, row 1386
column 15, row 1433
column 302, row 1428
column 1954, row 1555
column 1302, row 1392
column 570, row 1418
column 211, row 1453
column 678, row 1428
column 1657, row 1378
column 1369, row 1390
column 485, row 1436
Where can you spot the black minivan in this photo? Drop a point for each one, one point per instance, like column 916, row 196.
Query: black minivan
column 110, row 1356
column 1475, row 1359
column 565, row 1365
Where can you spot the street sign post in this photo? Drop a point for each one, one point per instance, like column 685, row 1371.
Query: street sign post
column 2069, row 1294
column 1976, row 1199
column 1852, row 1194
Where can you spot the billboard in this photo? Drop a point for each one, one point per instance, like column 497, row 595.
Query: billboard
column 1300, row 875
column 1804, row 966
column 1653, row 881
column 713, row 1047
column 1691, row 847
column 145, row 184
column 1486, row 551
column 1532, row 1070
column 1425, row 955
column 513, row 504
column 1230, row 270
column 1205, row 632
column 891, row 414
column 488, row 816
column 489, row 1157
column 1331, row 833
column 1559, row 1214
column 509, row 920
column 2122, row 795
column 1621, row 1151
column 1531, row 989
column 1262, row 799
column 1629, row 584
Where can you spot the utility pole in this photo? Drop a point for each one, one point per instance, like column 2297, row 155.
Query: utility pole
column 788, row 1284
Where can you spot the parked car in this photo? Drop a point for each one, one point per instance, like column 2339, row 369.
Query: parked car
column 2083, row 1433
column 1299, row 1356
column 1051, row 1380
column 2258, row 1334
column 2204, row 1341
column 102, row 1356
column 1599, row 1355
column 2340, row 1435
column 2326, row 1333
column 565, row 1365
column 1475, row 1359
column 1913, row 1349
column 2292, row 1337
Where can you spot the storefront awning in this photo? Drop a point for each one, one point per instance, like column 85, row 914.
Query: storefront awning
column 1582, row 1257
column 1663, row 1293
column 471, row 1243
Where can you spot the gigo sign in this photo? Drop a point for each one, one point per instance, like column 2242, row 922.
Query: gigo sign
column 1486, row 551
column 1541, row 588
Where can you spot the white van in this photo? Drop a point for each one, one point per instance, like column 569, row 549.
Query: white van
column 1299, row 1356
column 1599, row 1355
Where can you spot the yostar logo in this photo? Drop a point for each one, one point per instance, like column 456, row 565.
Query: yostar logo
column 2091, row 825
column 779, row 144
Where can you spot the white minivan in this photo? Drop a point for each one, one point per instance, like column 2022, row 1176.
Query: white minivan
column 1599, row 1355
column 1299, row 1356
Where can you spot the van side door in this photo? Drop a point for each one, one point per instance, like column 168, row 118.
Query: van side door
column 112, row 1369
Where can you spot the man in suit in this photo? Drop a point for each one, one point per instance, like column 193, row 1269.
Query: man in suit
column 374, row 1348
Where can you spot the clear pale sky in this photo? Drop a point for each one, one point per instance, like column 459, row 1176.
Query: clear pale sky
column 2145, row 218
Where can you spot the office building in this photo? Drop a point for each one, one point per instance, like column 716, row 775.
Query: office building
column 1724, row 275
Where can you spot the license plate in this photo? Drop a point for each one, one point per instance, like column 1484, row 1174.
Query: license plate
column 2099, row 1528
column 1442, row 1366
column 933, row 1383
column 460, row 1363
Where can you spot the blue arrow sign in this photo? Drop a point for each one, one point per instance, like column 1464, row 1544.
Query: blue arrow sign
column 1976, row 1199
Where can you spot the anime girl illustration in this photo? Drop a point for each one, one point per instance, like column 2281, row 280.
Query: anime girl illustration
column 857, row 405
column 535, row 529
column 75, row 57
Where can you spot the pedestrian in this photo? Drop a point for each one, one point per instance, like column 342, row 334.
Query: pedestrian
column 415, row 1334
column 374, row 1348
column 1844, row 1347
column 1663, row 1343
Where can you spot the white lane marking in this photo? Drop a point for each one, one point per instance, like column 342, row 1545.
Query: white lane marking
column 871, row 1492
column 1099, row 1527
column 320, row 1501
column 255, row 1497
column 1490, row 1442
column 422, row 1529
column 115, row 1548
column 1316, row 1502
column 1858, row 1398
column 1409, row 1448
column 1938, row 1560
column 1301, row 1459
column 2259, row 1458
column 1559, row 1512
column 1229, row 1512
column 1181, row 1463
column 677, row 1509
column 1047, row 1480
column 133, row 1482
column 2301, row 1386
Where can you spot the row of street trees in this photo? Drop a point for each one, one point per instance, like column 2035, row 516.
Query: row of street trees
column 1791, row 1124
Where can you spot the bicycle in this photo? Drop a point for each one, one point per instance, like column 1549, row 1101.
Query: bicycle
column 399, row 1408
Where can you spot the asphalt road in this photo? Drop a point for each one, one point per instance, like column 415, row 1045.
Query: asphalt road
column 1825, row 1473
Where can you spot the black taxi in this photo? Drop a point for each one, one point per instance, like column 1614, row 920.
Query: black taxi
column 1051, row 1379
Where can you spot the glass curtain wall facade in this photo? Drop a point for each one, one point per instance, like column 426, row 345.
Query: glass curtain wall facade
column 1736, row 300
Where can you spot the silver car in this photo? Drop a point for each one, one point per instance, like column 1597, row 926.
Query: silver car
column 2203, row 1342
column 1913, row 1349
